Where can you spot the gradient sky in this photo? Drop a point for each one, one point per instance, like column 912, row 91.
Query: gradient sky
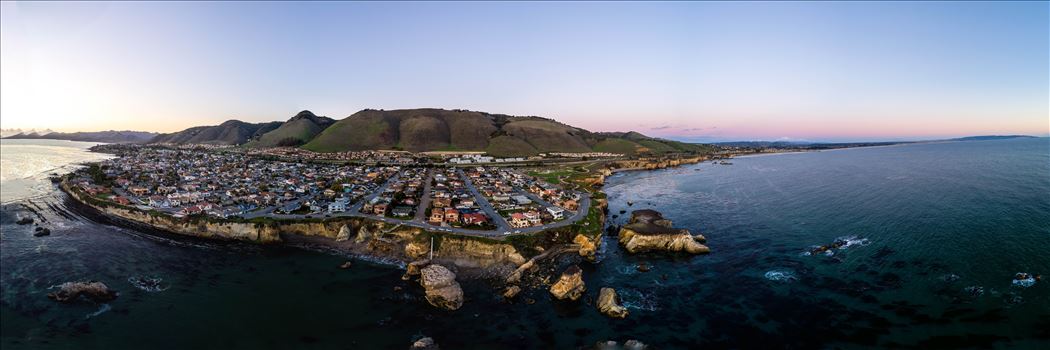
column 693, row 71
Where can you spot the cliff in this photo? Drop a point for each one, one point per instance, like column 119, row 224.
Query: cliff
column 652, row 163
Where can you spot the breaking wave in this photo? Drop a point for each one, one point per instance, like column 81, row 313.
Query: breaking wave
column 101, row 310
column 634, row 299
column 148, row 284
column 780, row 276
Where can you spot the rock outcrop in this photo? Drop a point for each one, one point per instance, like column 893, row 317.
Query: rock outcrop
column 648, row 231
column 588, row 249
column 344, row 234
column 609, row 303
column 442, row 290
column 93, row 290
column 570, row 285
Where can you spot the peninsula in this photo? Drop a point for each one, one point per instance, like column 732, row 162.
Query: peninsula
column 489, row 209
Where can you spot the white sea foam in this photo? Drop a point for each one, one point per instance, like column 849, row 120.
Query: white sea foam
column 852, row 241
column 1023, row 282
column 781, row 275
column 634, row 299
column 101, row 310
column 147, row 284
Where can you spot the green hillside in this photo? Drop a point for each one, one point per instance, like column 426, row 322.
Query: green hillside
column 298, row 130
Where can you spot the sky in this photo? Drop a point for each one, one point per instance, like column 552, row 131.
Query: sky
column 708, row 71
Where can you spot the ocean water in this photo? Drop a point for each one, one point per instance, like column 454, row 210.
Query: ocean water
column 935, row 235
column 25, row 164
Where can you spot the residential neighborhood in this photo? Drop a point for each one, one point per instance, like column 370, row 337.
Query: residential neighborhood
column 187, row 182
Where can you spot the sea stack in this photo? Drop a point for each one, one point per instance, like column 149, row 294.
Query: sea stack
column 609, row 304
column 648, row 231
column 442, row 290
column 570, row 285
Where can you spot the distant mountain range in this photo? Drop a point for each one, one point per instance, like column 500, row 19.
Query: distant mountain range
column 824, row 145
column 430, row 129
column 111, row 136
column 425, row 129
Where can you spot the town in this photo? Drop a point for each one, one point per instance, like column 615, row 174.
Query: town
column 213, row 182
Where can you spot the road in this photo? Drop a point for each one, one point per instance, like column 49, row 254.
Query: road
column 501, row 223
column 424, row 198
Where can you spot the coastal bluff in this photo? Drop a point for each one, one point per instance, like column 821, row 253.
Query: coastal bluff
column 649, row 231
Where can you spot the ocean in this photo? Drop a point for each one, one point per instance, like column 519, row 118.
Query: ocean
column 935, row 233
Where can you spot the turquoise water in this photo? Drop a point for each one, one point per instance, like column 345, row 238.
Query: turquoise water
column 926, row 222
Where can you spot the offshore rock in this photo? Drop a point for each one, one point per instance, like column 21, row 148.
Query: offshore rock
column 425, row 343
column 511, row 292
column 93, row 290
column 24, row 220
column 570, row 285
column 627, row 345
column 649, row 231
column 609, row 303
column 442, row 290
column 414, row 268
column 41, row 231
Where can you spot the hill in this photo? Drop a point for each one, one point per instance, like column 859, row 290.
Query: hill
column 110, row 136
column 302, row 128
column 426, row 129
column 449, row 130
column 231, row 132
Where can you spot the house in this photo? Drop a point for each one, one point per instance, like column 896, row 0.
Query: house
column 402, row 211
column 158, row 201
column 191, row 210
column 521, row 199
column 139, row 190
column 379, row 209
column 451, row 215
column 437, row 216
column 121, row 200
column 339, row 205
column 517, row 220
column 557, row 213
column 474, row 218
column 442, row 202
column 533, row 217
